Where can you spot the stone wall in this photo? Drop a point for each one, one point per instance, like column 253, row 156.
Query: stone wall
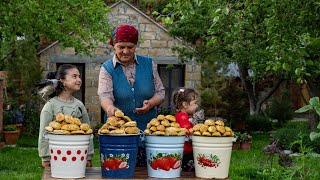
column 154, row 41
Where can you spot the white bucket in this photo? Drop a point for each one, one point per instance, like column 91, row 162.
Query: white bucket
column 68, row 155
column 164, row 156
column 212, row 156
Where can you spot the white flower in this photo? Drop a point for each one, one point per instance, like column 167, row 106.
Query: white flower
column 111, row 155
column 123, row 155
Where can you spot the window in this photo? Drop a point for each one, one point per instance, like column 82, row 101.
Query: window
column 172, row 78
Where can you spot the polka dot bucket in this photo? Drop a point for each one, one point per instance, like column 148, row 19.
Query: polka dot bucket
column 68, row 155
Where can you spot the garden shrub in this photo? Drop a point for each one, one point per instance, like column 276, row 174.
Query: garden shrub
column 31, row 117
column 281, row 108
column 290, row 133
column 258, row 123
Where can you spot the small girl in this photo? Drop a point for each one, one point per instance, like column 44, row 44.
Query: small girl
column 186, row 103
column 62, row 102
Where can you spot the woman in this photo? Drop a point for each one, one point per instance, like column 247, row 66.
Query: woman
column 62, row 102
column 130, row 82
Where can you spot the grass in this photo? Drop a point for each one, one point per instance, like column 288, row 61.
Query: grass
column 22, row 162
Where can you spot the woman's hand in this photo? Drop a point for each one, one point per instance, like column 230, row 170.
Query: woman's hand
column 145, row 108
column 110, row 110
column 46, row 164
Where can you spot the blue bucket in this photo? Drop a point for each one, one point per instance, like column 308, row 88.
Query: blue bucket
column 118, row 155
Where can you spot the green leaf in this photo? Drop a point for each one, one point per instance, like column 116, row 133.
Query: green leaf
column 165, row 10
column 314, row 101
column 268, row 68
column 285, row 66
column 318, row 126
column 304, row 109
column 317, row 109
column 314, row 136
column 155, row 13
column 310, row 63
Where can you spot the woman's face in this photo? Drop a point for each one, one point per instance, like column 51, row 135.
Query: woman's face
column 125, row 51
column 72, row 81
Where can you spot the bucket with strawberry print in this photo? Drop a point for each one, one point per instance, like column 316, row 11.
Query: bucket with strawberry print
column 164, row 155
column 212, row 156
column 68, row 155
column 118, row 154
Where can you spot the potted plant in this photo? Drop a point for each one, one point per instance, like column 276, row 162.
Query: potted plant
column 11, row 135
column 245, row 141
column 236, row 141
column 13, row 117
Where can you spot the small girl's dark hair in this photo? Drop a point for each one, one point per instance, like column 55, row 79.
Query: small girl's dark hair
column 59, row 74
column 184, row 95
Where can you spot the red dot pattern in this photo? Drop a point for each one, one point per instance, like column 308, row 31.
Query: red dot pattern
column 63, row 154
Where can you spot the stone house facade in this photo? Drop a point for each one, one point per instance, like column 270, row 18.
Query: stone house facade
column 155, row 43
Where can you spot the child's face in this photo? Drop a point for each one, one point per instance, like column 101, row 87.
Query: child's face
column 72, row 81
column 191, row 107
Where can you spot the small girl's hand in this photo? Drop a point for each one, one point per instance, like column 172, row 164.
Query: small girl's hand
column 46, row 164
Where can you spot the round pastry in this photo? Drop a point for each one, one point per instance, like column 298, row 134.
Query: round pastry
column 55, row 125
column 161, row 117
column 59, row 117
column 49, row 128
column 84, row 127
column 118, row 113
column 209, row 122
column 170, row 117
column 78, row 132
column 126, row 118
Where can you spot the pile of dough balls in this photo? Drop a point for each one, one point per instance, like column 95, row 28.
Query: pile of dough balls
column 119, row 124
column 211, row 128
column 165, row 126
column 66, row 124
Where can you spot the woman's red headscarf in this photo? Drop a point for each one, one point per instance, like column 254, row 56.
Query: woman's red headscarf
column 124, row 33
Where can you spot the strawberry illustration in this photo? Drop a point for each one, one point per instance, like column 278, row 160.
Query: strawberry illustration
column 163, row 163
column 109, row 164
column 171, row 160
column 176, row 164
column 117, row 162
column 154, row 164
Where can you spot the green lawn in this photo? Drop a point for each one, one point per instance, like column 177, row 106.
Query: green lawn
column 23, row 162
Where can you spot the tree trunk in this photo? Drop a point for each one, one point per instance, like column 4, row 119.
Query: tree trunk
column 256, row 101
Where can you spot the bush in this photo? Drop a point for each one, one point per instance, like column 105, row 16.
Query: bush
column 9, row 128
column 290, row 133
column 281, row 108
column 31, row 117
column 258, row 123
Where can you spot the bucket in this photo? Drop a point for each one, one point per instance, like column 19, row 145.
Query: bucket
column 68, row 155
column 164, row 156
column 212, row 156
column 118, row 155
